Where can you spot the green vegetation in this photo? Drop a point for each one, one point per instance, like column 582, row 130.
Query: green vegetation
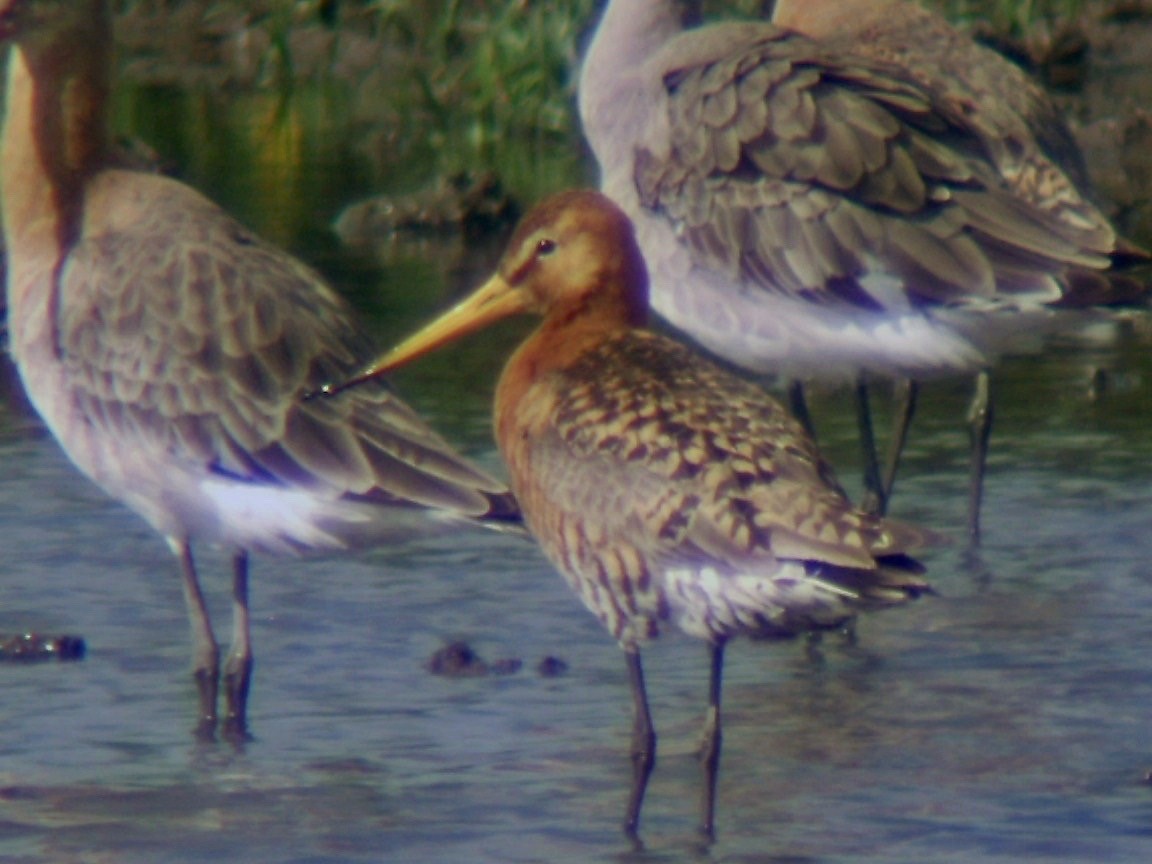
column 485, row 83
column 435, row 86
column 508, row 62
column 1015, row 18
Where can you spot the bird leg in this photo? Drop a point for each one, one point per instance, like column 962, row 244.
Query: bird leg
column 238, row 666
column 205, row 651
column 875, row 496
column 710, row 745
column 799, row 405
column 643, row 742
column 906, row 394
column 979, row 430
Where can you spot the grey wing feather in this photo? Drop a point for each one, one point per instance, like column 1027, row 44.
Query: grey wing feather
column 798, row 171
column 201, row 339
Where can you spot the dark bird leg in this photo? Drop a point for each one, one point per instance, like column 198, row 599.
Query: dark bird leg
column 799, row 405
column 238, row 666
column 710, row 745
column 205, row 651
column 980, row 430
column 875, row 499
column 907, row 392
column 643, row 743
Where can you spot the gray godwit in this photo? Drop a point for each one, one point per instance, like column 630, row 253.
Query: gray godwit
column 862, row 192
column 166, row 347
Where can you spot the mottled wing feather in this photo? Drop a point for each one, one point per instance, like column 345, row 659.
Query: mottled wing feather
column 662, row 445
column 1020, row 125
column 799, row 171
column 191, row 334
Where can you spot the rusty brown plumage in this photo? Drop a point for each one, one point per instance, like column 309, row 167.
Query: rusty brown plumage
column 687, row 463
column 666, row 490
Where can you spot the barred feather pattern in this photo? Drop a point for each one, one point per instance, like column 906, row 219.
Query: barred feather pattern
column 670, row 492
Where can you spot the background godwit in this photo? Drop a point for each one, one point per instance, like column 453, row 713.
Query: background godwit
column 666, row 490
column 863, row 200
column 166, row 347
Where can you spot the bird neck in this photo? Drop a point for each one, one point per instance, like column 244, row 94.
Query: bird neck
column 629, row 33
column 55, row 132
column 528, row 383
column 633, row 29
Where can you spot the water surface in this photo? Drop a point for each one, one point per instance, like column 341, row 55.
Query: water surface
column 1006, row 719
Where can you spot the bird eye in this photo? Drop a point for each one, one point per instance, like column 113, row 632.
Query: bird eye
column 545, row 247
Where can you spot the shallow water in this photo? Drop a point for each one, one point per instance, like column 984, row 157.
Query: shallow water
column 1006, row 719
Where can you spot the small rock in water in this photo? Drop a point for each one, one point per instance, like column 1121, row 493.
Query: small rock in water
column 551, row 667
column 33, row 646
column 473, row 206
column 459, row 660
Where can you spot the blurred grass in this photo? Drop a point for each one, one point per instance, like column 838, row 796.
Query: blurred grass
column 482, row 70
column 1014, row 18
column 405, row 90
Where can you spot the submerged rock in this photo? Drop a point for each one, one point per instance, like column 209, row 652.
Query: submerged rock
column 459, row 660
column 551, row 667
column 466, row 204
column 25, row 647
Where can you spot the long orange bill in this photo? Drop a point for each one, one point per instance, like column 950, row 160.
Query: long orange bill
column 493, row 300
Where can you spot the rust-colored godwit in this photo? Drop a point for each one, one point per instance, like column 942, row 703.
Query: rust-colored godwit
column 862, row 191
column 666, row 490
column 166, row 347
